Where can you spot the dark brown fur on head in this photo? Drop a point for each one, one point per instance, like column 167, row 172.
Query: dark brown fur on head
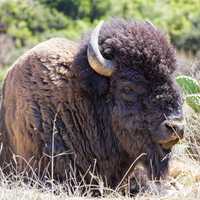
column 134, row 45
column 139, row 46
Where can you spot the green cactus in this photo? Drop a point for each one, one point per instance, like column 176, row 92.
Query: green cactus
column 191, row 89
column 193, row 100
column 188, row 84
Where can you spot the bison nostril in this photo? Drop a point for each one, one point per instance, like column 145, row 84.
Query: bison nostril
column 173, row 130
column 176, row 127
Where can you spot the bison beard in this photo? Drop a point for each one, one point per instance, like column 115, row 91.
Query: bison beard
column 109, row 117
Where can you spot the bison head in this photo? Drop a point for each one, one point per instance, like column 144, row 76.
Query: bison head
column 146, row 106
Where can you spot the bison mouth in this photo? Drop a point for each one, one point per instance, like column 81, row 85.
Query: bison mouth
column 165, row 148
column 172, row 139
column 169, row 144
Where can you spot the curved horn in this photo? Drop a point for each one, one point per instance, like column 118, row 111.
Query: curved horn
column 98, row 63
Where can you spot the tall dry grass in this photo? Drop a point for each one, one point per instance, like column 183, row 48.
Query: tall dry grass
column 183, row 181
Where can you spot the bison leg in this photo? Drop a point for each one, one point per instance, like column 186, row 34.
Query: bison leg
column 28, row 134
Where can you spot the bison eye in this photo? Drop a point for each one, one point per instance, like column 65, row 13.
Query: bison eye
column 128, row 94
column 127, row 90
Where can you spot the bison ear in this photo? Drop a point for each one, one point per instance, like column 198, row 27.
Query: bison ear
column 97, row 62
column 150, row 24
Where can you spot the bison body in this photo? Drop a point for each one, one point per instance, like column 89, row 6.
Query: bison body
column 56, row 101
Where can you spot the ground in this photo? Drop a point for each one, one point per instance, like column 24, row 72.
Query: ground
column 182, row 183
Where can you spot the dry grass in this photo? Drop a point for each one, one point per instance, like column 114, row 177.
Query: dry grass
column 182, row 183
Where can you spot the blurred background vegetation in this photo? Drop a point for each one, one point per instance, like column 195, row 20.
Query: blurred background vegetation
column 24, row 23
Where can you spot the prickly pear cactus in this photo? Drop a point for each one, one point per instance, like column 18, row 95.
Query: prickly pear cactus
column 191, row 89
column 193, row 100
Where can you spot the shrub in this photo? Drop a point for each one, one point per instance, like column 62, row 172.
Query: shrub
column 26, row 20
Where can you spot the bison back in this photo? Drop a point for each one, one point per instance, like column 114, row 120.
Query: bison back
column 34, row 87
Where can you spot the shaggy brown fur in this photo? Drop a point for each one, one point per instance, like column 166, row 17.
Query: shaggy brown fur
column 111, row 120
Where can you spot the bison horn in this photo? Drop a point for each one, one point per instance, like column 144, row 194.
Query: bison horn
column 98, row 63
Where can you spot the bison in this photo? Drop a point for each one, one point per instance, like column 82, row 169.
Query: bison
column 106, row 100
